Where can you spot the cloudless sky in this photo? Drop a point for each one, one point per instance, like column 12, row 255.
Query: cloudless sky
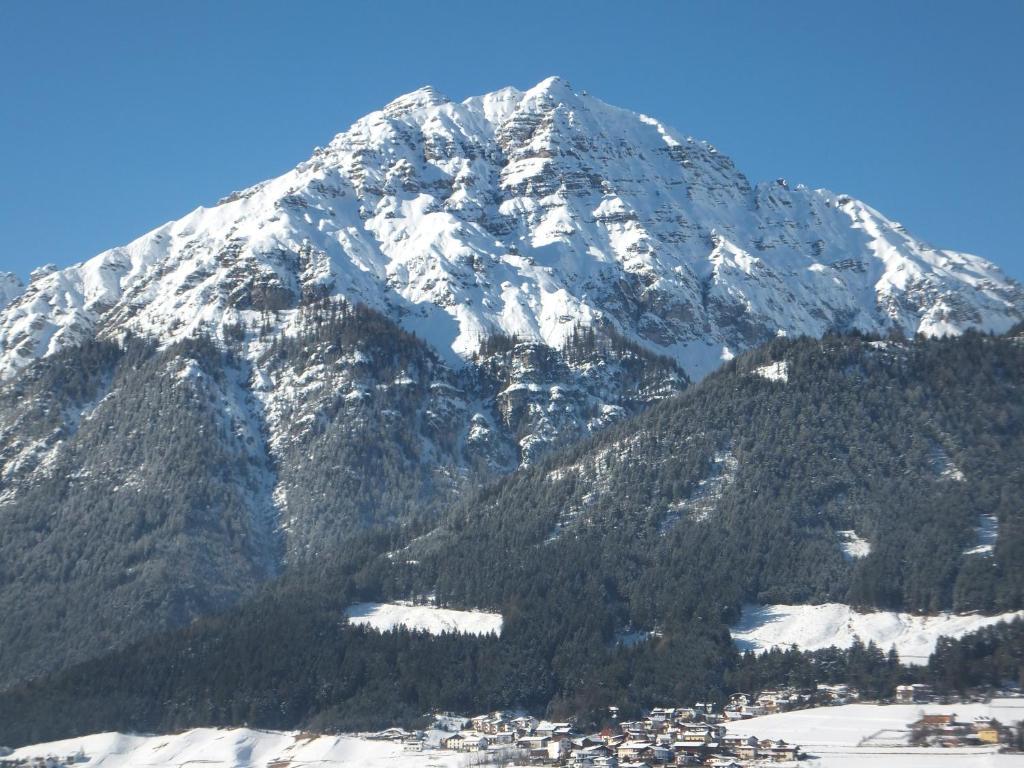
column 118, row 116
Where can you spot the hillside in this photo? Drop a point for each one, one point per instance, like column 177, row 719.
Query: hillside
column 617, row 564
column 141, row 487
column 749, row 488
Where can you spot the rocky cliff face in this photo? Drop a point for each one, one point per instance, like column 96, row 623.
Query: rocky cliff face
column 10, row 288
column 142, row 486
column 522, row 213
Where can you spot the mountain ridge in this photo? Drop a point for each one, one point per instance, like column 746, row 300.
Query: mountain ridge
column 520, row 213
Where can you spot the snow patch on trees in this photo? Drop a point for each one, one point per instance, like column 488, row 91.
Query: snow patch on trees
column 853, row 546
column 813, row 627
column 987, row 532
column 774, row 371
column 385, row 617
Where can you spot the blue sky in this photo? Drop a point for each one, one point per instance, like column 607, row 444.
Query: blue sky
column 118, row 116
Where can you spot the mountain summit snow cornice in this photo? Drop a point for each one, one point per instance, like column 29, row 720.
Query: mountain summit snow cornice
column 527, row 213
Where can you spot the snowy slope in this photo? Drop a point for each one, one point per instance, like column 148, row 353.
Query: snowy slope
column 876, row 736
column 812, row 627
column 426, row 618
column 238, row 748
column 526, row 213
column 851, row 736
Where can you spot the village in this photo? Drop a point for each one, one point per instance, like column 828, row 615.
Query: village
column 665, row 736
column 698, row 735
column 683, row 736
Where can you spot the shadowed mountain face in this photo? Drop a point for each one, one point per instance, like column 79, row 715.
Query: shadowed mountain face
column 142, row 486
column 867, row 472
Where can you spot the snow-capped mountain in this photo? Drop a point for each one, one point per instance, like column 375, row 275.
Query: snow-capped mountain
column 525, row 213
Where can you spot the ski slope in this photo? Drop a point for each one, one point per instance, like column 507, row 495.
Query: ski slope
column 239, row 748
column 812, row 627
column 385, row 617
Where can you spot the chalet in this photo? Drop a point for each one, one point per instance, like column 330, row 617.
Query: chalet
column 633, row 750
column 661, row 754
column 703, row 732
column 781, row 752
column 558, row 749
column 778, row 701
column 591, row 757
column 837, row 694
column 525, row 724
column 533, row 743
column 453, row 742
column 547, row 728
column 936, row 721
column 913, row 694
column 986, row 730
column 697, row 748
column 496, row 722
column 987, row 735
column 753, row 710
column 747, row 750
column 634, row 730
column 732, row 741
column 465, row 742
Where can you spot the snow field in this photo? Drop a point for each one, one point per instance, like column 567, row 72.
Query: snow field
column 875, row 735
column 813, row 627
column 239, row 748
column 384, row 617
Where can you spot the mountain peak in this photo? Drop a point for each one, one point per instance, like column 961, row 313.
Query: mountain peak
column 421, row 98
column 505, row 214
column 555, row 89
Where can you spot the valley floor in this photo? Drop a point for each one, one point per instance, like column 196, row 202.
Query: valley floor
column 876, row 735
column 869, row 735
